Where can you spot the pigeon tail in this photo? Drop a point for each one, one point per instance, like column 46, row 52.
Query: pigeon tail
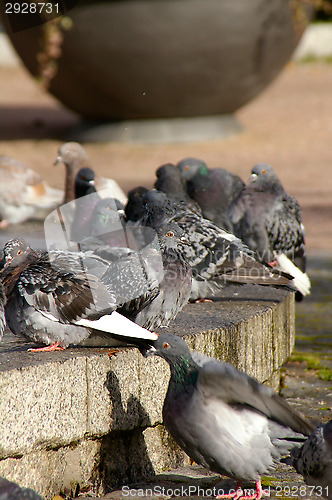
column 118, row 325
column 300, row 279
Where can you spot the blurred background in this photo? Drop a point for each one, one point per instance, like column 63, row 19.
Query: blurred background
column 288, row 124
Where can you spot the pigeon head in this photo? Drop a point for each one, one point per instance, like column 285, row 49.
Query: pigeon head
column 263, row 177
column 71, row 152
column 84, row 182
column 172, row 348
column 15, row 252
column 158, row 207
column 170, row 181
column 134, row 208
column 189, row 167
column 172, row 236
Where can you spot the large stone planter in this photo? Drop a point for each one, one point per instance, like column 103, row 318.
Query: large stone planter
column 165, row 58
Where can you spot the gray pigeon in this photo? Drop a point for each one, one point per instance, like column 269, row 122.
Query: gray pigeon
column 170, row 181
column 107, row 226
column 169, row 296
column 314, row 459
column 134, row 208
column 57, row 298
column 224, row 419
column 12, row 491
column 213, row 189
column 86, row 198
column 215, row 256
column 269, row 221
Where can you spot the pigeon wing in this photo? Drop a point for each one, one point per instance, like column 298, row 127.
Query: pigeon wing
column 226, row 383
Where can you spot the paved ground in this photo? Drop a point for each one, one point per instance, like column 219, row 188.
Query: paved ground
column 289, row 126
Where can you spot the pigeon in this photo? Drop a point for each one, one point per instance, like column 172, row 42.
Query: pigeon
column 170, row 181
column 108, row 227
column 24, row 194
column 87, row 199
column 56, row 298
column 269, row 221
column 157, row 277
column 134, row 208
column 74, row 157
column 213, row 189
column 314, row 459
column 224, row 419
column 215, row 256
column 12, row 491
column 168, row 295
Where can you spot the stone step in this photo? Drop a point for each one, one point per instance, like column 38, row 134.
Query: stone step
column 85, row 417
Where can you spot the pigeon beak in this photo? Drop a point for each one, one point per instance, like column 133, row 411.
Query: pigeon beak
column 58, row 160
column 150, row 352
column 252, row 178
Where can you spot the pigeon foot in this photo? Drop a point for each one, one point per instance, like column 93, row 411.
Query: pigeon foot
column 255, row 496
column 4, row 224
column 235, row 495
column 48, row 348
column 198, row 301
column 112, row 352
column 238, row 494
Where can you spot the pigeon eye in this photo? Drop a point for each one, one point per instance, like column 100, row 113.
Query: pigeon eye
column 166, row 345
column 264, row 171
column 186, row 167
column 19, row 252
column 170, row 234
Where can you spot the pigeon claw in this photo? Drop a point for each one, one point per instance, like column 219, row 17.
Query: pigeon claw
column 235, row 495
column 112, row 352
column 48, row 348
column 239, row 494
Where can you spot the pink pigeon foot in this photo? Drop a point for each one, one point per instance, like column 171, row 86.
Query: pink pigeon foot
column 48, row 348
column 234, row 495
column 256, row 496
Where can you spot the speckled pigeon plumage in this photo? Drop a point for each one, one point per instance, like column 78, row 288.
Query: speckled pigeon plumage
column 314, row 459
column 12, row 491
column 269, row 221
column 216, row 257
column 74, row 157
column 223, row 419
column 213, row 189
column 57, row 298
column 172, row 293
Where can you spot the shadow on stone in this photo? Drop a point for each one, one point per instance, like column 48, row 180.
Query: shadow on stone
column 124, row 456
